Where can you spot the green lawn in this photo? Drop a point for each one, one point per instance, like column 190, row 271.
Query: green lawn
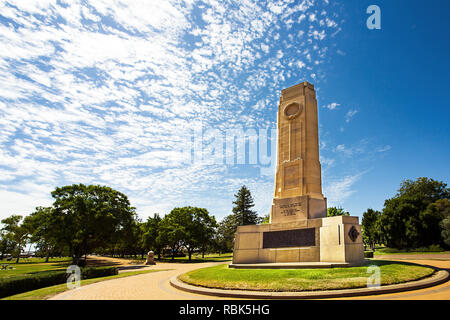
column 33, row 265
column 381, row 251
column 45, row 293
column 302, row 279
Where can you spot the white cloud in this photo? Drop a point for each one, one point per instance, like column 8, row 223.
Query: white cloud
column 338, row 190
column 349, row 115
column 332, row 106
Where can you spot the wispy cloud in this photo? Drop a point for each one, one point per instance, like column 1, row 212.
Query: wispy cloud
column 332, row 106
column 350, row 114
column 340, row 189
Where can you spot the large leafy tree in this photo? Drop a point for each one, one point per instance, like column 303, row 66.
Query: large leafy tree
column 412, row 217
column 6, row 244
column 370, row 227
column 86, row 217
column 15, row 232
column 242, row 210
column 225, row 234
column 187, row 227
column 41, row 233
column 150, row 232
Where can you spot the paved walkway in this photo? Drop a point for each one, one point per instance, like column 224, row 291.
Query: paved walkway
column 155, row 286
column 149, row 286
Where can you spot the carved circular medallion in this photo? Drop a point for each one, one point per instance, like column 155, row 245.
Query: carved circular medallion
column 292, row 110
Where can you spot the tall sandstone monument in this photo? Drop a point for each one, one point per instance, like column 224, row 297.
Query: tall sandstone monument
column 299, row 230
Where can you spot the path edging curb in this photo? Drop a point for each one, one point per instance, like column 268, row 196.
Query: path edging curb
column 440, row 276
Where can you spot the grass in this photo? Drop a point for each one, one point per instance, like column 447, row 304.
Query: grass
column 31, row 266
column 223, row 277
column 45, row 293
column 381, row 251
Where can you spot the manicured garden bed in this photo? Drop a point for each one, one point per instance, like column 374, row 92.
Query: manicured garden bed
column 222, row 277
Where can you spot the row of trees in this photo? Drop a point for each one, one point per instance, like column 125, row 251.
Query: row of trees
column 417, row 216
column 86, row 219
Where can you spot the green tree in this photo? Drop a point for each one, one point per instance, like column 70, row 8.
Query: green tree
column 187, row 227
column 370, row 227
column 334, row 211
column 226, row 231
column 6, row 245
column 88, row 217
column 150, row 232
column 412, row 217
column 204, row 228
column 16, row 232
column 38, row 224
column 242, row 210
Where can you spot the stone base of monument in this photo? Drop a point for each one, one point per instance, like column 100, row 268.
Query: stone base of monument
column 323, row 241
column 297, row 265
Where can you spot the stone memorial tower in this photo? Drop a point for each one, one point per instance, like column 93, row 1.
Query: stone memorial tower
column 299, row 230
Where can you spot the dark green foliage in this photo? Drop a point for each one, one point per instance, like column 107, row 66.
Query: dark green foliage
column 334, row 211
column 150, row 231
column 19, row 284
column 88, row 217
column 188, row 227
column 370, row 227
column 368, row 254
column 242, row 215
column 225, row 234
column 97, row 272
column 242, row 209
column 413, row 217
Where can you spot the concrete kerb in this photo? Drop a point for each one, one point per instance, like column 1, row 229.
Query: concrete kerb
column 439, row 277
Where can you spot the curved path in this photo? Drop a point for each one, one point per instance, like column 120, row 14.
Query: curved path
column 155, row 286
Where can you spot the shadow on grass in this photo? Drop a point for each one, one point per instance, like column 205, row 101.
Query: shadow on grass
column 405, row 263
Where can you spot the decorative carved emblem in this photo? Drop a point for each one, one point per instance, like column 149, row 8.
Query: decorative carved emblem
column 292, row 110
column 353, row 233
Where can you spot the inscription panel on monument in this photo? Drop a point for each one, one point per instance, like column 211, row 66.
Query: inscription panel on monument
column 289, row 238
column 289, row 209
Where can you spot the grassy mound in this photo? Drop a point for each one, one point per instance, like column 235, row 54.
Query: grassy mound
column 222, row 277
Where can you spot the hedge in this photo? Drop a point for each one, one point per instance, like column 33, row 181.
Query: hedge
column 19, row 284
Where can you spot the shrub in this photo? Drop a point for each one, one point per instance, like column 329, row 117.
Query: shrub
column 90, row 272
column 368, row 254
column 19, row 284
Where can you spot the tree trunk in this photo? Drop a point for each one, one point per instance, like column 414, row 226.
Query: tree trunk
column 18, row 253
column 48, row 254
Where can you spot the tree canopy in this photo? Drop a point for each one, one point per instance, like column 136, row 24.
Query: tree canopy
column 87, row 217
column 413, row 216
column 335, row 211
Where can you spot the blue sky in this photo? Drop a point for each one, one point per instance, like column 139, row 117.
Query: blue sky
column 106, row 92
